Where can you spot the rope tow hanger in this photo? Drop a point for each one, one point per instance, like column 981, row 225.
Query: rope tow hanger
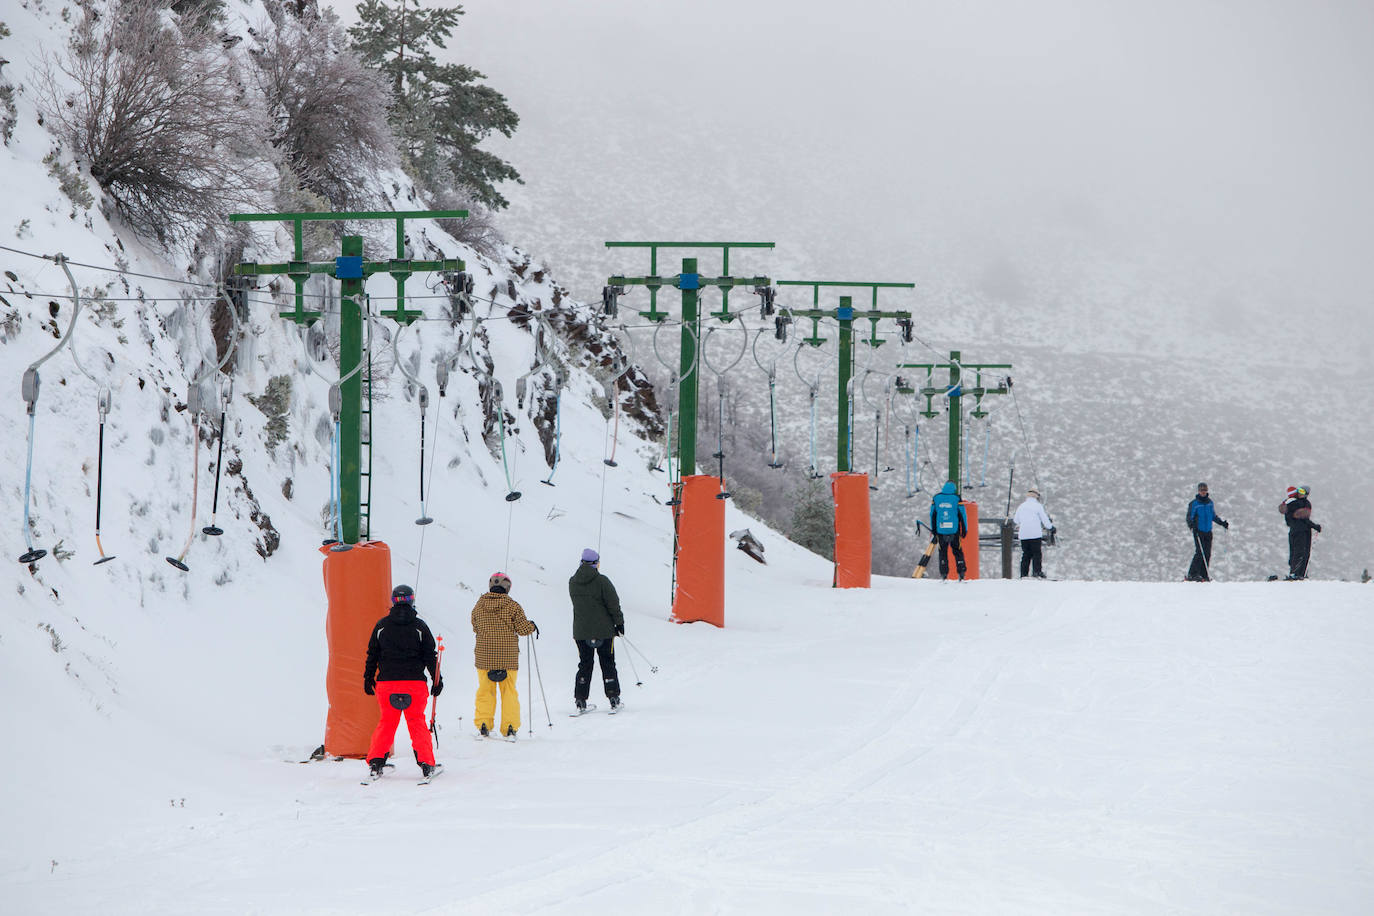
column 195, row 406
column 29, row 389
column 674, row 389
column 424, row 518
column 721, row 390
column 225, row 393
column 813, row 386
column 780, row 323
column 103, row 403
column 613, row 396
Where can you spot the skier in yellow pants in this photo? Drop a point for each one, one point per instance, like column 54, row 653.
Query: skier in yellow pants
column 498, row 622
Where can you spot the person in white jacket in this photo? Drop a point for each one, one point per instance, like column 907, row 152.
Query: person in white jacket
column 1031, row 524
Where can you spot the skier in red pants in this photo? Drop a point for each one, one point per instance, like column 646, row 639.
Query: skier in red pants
column 399, row 652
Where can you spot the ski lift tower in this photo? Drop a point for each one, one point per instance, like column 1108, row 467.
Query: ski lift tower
column 698, row 506
column 357, row 581
column 956, row 392
column 853, row 531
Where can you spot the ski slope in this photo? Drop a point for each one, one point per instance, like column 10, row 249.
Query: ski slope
column 990, row 747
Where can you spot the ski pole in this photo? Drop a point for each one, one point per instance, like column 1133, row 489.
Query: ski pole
column 653, row 669
column 638, row 682
column 1206, row 567
column 434, row 701
column 534, row 657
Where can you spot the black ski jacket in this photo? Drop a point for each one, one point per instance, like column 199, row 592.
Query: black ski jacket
column 1298, row 514
column 401, row 647
column 596, row 606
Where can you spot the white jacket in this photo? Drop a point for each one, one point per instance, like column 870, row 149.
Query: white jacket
column 1031, row 520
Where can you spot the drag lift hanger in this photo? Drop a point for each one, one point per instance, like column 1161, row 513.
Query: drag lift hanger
column 196, row 408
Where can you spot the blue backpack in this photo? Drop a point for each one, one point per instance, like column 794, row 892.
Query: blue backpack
column 947, row 513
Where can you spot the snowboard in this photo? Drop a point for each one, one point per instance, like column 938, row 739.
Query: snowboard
column 924, row 562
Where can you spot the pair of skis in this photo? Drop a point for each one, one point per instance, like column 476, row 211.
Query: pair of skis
column 591, row 707
column 424, row 780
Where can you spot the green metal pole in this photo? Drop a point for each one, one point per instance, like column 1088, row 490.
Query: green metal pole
column 955, row 417
column 845, row 313
column 350, row 420
column 687, row 418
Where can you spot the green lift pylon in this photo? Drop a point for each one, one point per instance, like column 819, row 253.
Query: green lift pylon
column 351, row 269
column 956, row 391
column 846, row 315
column 689, row 282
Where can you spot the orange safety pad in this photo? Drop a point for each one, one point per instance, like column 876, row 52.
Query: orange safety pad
column 700, row 593
column 853, row 531
column 969, row 542
column 357, row 583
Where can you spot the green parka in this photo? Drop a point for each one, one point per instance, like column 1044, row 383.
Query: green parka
column 596, row 607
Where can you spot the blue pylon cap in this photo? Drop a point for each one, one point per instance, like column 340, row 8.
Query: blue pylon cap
column 349, row 267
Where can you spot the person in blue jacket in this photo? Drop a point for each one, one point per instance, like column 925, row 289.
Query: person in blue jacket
column 949, row 521
column 1202, row 513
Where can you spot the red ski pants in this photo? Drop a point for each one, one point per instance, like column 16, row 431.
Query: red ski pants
column 385, row 734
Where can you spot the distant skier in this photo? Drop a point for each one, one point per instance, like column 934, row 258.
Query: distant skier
column 1201, row 514
column 399, row 652
column 1032, row 524
column 597, row 620
column 1298, row 516
column 498, row 622
column 949, row 521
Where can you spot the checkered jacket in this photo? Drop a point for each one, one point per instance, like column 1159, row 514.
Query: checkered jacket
column 499, row 622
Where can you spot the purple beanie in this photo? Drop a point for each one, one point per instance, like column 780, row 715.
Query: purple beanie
column 590, row 556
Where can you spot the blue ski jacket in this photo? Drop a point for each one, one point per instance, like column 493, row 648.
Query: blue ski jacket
column 1202, row 512
column 947, row 516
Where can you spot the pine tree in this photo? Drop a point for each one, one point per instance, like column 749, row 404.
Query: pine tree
column 441, row 112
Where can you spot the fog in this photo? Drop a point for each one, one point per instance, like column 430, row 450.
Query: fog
column 1203, row 155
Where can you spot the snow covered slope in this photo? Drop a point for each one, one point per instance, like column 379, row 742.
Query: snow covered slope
column 993, row 747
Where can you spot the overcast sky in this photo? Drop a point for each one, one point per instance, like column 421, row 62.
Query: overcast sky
column 1227, row 142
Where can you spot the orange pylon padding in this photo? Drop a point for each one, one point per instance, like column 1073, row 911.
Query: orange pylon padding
column 357, row 583
column 853, row 531
column 700, row 593
column 969, row 542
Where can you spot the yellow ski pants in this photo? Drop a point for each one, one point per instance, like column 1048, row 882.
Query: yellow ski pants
column 485, row 707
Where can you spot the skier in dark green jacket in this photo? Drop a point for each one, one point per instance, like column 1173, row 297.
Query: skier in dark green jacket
column 596, row 622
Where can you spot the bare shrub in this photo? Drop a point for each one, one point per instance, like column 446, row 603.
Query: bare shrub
column 327, row 110
column 159, row 116
column 478, row 231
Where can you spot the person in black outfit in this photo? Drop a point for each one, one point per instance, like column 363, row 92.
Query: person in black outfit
column 399, row 652
column 1298, row 515
column 597, row 621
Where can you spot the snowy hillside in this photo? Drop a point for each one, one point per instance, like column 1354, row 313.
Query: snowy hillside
column 1162, row 227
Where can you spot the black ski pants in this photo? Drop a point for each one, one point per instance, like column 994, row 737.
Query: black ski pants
column 604, row 651
column 1200, row 569
column 952, row 542
column 1030, row 557
column 1299, row 549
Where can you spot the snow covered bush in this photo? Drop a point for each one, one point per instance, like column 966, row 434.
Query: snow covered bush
column 327, row 110
column 158, row 114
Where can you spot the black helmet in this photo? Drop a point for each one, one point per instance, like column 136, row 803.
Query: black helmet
column 403, row 594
